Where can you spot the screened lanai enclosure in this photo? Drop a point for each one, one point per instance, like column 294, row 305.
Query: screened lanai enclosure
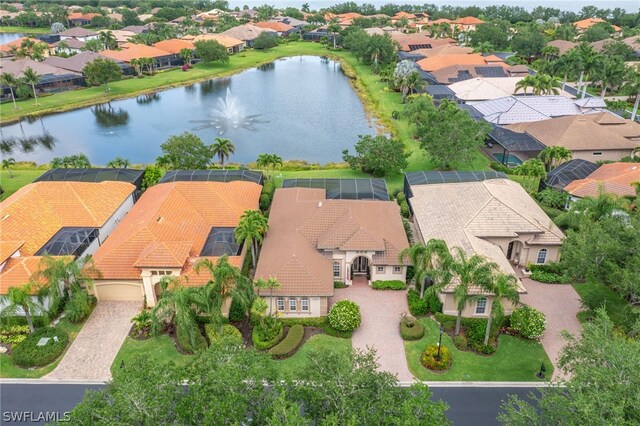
column 344, row 189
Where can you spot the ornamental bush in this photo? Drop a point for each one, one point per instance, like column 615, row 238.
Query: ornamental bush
column 388, row 285
column 28, row 354
column 460, row 342
column 228, row 331
column 417, row 306
column 289, row 344
column 79, row 306
column 411, row 328
column 236, row 313
column 263, row 340
column 186, row 346
column 13, row 333
column 430, row 359
column 345, row 315
column 528, row 322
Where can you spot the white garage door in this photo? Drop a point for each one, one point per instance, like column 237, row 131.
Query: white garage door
column 119, row 292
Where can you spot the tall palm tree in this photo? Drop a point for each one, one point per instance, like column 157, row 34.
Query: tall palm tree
column 534, row 170
column 251, row 230
column 20, row 300
column 31, row 77
column 430, row 261
column 546, row 85
column 7, row 163
column 484, row 47
column 176, row 306
column 222, row 148
column 553, row 156
column 611, row 74
column 270, row 284
column 524, row 84
column 632, row 86
column 333, row 28
column 119, row 163
column 108, row 40
column 503, row 287
column 467, row 272
column 186, row 55
column 588, row 61
column 586, row 210
column 9, row 81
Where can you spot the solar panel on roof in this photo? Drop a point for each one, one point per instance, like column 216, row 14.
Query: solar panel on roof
column 69, row 241
column 491, row 71
column 345, row 189
column 212, row 176
column 413, row 47
column 133, row 176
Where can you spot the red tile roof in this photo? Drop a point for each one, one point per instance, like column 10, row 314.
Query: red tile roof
column 174, row 45
column 614, row 178
column 275, row 26
column 134, row 51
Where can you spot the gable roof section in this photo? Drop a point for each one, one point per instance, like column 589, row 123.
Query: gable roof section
column 613, row 178
column 436, row 62
column 280, row 27
column 134, row 51
column 170, row 224
column 17, row 68
column 174, row 45
column 563, row 45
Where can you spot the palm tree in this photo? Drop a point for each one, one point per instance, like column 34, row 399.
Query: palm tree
column 587, row 61
column 63, row 274
column 542, row 84
column 119, row 163
column 468, row 271
column 20, row 300
column 8, row 80
column 108, row 40
column 267, row 161
column 504, row 286
column 591, row 209
column 251, row 231
column 533, row 169
column 430, row 261
column 269, row 284
column 524, row 84
column 484, row 47
column 223, row 148
column 7, row 163
column 333, row 28
column 553, row 156
column 632, row 86
column 611, row 73
column 32, row 78
column 136, row 63
column 186, row 55
column 176, row 306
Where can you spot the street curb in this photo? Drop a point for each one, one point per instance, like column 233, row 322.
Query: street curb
column 51, row 382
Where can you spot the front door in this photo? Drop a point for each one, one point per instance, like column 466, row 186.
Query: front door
column 360, row 265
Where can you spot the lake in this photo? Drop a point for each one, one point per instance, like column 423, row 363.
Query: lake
column 9, row 37
column 301, row 108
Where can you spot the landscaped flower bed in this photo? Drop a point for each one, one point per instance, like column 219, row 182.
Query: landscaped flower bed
column 435, row 361
column 40, row 348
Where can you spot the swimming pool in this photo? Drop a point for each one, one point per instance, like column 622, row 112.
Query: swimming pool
column 510, row 160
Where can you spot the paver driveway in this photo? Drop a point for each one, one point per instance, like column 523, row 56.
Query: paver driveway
column 381, row 312
column 560, row 303
column 94, row 349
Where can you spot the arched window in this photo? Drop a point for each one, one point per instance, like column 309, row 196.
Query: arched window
column 542, row 256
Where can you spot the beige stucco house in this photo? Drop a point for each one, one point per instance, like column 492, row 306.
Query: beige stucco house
column 313, row 241
column 483, row 213
column 171, row 227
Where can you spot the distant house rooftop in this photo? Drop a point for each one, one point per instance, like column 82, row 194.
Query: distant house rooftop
column 613, row 178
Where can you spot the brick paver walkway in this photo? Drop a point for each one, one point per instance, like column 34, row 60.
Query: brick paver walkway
column 381, row 312
column 560, row 303
column 94, row 349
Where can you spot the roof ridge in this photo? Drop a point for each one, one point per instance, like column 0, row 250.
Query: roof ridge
column 294, row 258
column 81, row 200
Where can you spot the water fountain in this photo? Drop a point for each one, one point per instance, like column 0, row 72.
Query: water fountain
column 228, row 115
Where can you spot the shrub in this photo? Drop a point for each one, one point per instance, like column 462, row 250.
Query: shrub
column 528, row 322
column 476, row 329
column 142, row 323
column 227, row 331
column 318, row 322
column 388, row 285
column 460, row 342
column 28, row 354
column 548, row 277
column 186, row 346
column 483, row 349
column 430, row 360
column 345, row 315
column 339, row 284
column 499, row 167
column 289, row 344
column 404, row 209
column 236, row 313
column 262, row 340
column 13, row 333
column 411, row 272
column 411, row 328
column 79, row 306
column 433, row 302
column 400, row 197
column 407, row 229
column 417, row 306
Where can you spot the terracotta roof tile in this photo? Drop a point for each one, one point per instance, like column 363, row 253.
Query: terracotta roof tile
column 9, row 248
column 275, row 26
column 437, row 62
column 174, row 45
column 614, row 178
column 134, row 51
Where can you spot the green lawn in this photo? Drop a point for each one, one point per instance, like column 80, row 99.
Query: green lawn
column 529, row 183
column 161, row 349
column 614, row 304
column 295, row 366
column 20, row 179
column 24, row 30
column 9, row 370
column 517, row 360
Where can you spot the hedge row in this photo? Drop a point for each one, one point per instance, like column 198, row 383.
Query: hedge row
column 318, row 322
column 28, row 354
column 289, row 344
column 388, row 285
column 261, row 345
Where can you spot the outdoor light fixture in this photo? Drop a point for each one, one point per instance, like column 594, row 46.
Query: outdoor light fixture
column 122, row 364
column 440, row 341
column 540, row 374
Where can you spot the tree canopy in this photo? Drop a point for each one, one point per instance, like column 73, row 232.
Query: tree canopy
column 102, row 72
column 377, row 155
column 211, row 50
column 185, row 152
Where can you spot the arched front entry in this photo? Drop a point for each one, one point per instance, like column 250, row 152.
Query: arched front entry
column 514, row 250
column 360, row 265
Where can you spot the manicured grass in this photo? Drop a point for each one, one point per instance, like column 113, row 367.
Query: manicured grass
column 517, row 360
column 296, row 366
column 24, row 30
column 9, row 370
column 161, row 349
column 614, row 304
column 20, row 179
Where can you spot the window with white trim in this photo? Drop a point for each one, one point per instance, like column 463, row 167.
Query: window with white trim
column 380, row 269
column 280, row 303
column 542, row 256
column 397, row 269
column 336, row 269
column 481, row 306
column 304, row 303
column 293, row 304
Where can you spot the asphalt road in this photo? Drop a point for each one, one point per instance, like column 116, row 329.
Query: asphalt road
column 23, row 404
